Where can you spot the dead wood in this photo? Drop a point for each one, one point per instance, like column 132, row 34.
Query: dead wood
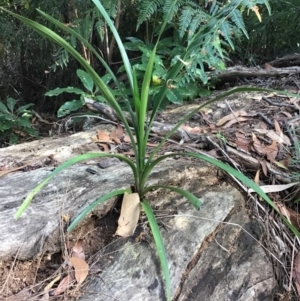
column 233, row 73
column 288, row 60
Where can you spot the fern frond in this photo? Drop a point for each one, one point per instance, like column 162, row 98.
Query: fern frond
column 237, row 19
column 111, row 7
column 185, row 20
column 200, row 17
column 214, row 8
column 170, row 9
column 147, row 9
column 226, row 32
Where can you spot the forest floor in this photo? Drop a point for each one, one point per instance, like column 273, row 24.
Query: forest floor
column 257, row 133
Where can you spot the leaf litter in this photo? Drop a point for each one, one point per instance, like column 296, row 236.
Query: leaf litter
column 262, row 138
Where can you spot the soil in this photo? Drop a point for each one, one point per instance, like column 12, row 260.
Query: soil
column 30, row 277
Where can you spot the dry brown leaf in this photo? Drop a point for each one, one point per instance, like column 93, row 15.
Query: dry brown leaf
column 117, row 134
column 233, row 121
column 103, row 136
column 78, row 250
column 261, row 125
column 120, row 131
column 4, row 172
column 231, row 116
column 256, row 11
column 268, row 66
column 81, row 269
column 257, row 97
column 286, row 161
column 195, row 130
column 257, row 145
column 264, row 167
column 291, row 215
column 274, row 188
column 130, row 213
column 104, row 146
column 277, row 127
column 287, row 114
column 272, row 151
column 242, row 142
column 65, row 284
column 127, row 139
column 116, row 139
column 272, row 94
column 279, row 138
column 152, row 144
column 279, row 164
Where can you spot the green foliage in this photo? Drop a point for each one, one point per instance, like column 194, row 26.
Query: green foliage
column 276, row 36
column 76, row 104
column 181, row 87
column 141, row 167
column 207, row 30
column 15, row 121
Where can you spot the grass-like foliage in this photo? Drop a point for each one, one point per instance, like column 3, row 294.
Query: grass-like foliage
column 141, row 167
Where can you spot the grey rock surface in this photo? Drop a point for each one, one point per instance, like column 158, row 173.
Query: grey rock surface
column 208, row 259
column 213, row 254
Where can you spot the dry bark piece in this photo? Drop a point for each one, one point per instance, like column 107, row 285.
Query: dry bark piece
column 130, row 213
column 274, row 188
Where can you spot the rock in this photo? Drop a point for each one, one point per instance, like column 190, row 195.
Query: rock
column 210, row 256
column 208, row 259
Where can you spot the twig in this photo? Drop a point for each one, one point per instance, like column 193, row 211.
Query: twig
column 229, row 107
column 278, row 104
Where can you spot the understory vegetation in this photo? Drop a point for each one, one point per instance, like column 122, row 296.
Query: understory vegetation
column 137, row 57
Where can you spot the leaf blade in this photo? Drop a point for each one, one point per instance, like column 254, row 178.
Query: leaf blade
column 63, row 166
column 188, row 195
column 94, row 204
column 159, row 245
column 86, row 80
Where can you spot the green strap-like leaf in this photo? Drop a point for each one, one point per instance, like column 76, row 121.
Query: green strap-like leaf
column 115, row 33
column 232, row 171
column 159, row 246
column 94, row 204
column 65, row 165
column 191, row 197
column 52, row 36
column 87, row 44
